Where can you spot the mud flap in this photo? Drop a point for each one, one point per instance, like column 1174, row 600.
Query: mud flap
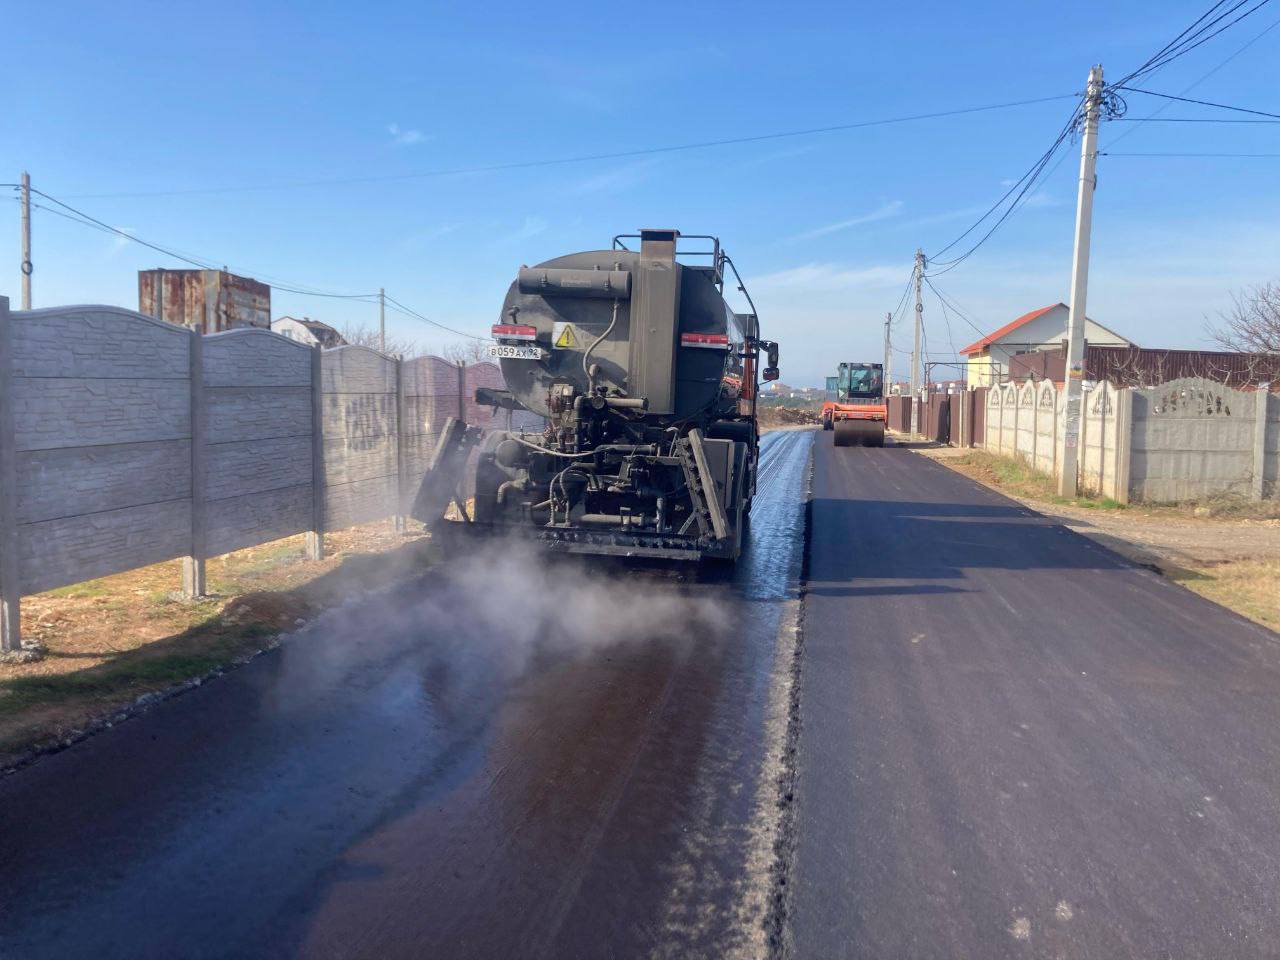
column 440, row 482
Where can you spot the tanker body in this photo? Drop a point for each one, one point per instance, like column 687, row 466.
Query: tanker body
column 647, row 380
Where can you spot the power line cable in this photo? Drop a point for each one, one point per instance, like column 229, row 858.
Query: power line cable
column 1191, row 86
column 1192, row 37
column 1239, row 155
column 202, row 264
column 955, row 309
column 1021, row 186
column 79, row 216
column 1154, row 119
column 1186, row 48
column 947, row 320
column 1203, row 103
column 584, row 158
column 1176, row 40
column 435, row 323
column 902, row 301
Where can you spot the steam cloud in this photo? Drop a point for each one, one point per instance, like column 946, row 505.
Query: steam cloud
column 484, row 618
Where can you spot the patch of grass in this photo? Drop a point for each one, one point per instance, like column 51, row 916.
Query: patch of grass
column 81, row 591
column 1250, row 587
column 1019, row 479
column 1229, row 506
column 210, row 646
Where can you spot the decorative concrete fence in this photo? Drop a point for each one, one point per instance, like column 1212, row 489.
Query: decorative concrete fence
column 126, row 441
column 1181, row 440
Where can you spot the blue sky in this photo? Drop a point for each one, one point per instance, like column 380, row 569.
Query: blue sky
column 132, row 98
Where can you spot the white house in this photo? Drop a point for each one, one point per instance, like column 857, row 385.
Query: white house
column 988, row 358
column 308, row 331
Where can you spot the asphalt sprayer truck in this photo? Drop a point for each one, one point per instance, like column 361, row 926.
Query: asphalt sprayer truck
column 647, row 380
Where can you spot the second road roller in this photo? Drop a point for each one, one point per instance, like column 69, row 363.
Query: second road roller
column 647, row 379
column 858, row 413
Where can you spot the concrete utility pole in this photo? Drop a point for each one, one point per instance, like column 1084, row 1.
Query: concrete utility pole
column 1068, row 481
column 888, row 354
column 915, row 349
column 382, row 319
column 26, row 240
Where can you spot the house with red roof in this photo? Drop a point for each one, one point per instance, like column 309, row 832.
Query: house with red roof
column 1043, row 329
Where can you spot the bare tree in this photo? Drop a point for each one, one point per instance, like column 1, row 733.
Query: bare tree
column 468, row 351
column 366, row 335
column 1252, row 325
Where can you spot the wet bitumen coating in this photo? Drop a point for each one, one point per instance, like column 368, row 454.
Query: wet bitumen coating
column 1012, row 743
column 991, row 738
column 526, row 759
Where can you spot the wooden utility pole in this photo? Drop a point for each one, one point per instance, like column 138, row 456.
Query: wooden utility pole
column 915, row 349
column 1068, row 479
column 26, row 240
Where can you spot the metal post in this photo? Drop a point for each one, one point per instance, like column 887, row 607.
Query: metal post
column 26, row 241
column 915, row 349
column 382, row 319
column 1068, row 477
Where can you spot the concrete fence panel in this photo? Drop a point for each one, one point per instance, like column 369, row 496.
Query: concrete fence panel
column 1046, row 428
column 1025, row 422
column 360, row 402
column 100, row 400
column 1009, row 419
column 431, row 394
column 991, row 419
column 257, row 462
column 1096, row 423
column 126, row 441
column 1192, row 438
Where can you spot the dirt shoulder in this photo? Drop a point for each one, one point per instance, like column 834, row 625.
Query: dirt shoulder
column 774, row 418
column 106, row 647
column 1227, row 550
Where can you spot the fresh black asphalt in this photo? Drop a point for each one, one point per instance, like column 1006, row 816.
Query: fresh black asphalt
column 990, row 738
column 1015, row 744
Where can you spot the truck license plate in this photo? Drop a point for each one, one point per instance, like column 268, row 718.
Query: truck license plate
column 506, row 351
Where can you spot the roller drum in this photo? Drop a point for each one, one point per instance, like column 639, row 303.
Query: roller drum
column 859, row 433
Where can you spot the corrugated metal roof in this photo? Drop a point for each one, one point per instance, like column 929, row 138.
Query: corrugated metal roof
column 1136, row 366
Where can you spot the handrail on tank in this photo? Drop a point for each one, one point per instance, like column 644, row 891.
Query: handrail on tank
column 716, row 254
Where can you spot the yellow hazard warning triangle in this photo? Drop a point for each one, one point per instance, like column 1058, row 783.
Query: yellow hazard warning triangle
column 566, row 340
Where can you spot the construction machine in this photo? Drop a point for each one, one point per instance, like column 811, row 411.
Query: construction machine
column 858, row 413
column 647, row 382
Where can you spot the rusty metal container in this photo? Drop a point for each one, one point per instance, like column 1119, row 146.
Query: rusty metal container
column 206, row 300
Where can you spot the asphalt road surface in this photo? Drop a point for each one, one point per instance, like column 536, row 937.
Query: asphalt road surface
column 988, row 738
column 505, row 758
column 1014, row 744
